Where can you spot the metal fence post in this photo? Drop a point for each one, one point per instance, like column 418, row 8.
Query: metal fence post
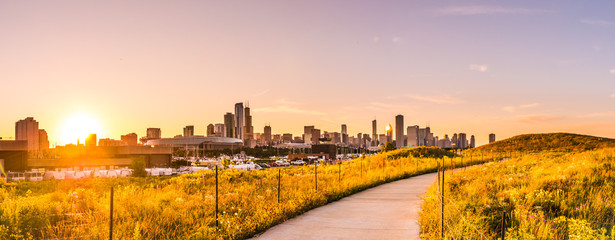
column 279, row 179
column 442, row 204
column 216, row 196
column 111, row 215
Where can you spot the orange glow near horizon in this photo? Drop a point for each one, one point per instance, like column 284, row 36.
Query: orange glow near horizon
column 77, row 128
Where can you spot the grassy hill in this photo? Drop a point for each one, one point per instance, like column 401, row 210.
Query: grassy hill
column 549, row 141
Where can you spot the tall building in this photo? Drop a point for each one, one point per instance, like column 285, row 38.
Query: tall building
column 491, row 137
column 455, row 141
column 315, row 136
column 399, row 131
column 189, row 131
column 239, row 124
column 389, row 131
column 43, row 140
column 211, row 130
column 287, row 138
column 27, row 129
column 153, row 133
column 413, row 136
column 91, row 140
column 129, row 139
column 307, row 134
column 472, row 141
column 229, row 124
column 422, row 137
column 463, row 140
column 374, row 133
column 267, row 135
column 428, row 137
column 220, row 130
column 248, row 129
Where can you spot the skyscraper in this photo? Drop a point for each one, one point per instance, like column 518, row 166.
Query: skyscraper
column 307, row 134
column 374, row 133
column 389, row 131
column 472, row 141
column 491, row 137
column 463, row 140
column 413, row 136
column 91, row 140
column 267, row 135
column 239, row 120
column 27, row 129
column 220, row 130
column 399, row 131
column 248, row 130
column 229, row 124
column 153, row 133
column 315, row 136
column 43, row 140
column 189, row 131
column 211, row 131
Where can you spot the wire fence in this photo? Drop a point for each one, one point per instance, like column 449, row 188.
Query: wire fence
column 219, row 203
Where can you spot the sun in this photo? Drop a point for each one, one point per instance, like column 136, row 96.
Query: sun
column 78, row 127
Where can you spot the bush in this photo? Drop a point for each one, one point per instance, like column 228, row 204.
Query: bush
column 138, row 167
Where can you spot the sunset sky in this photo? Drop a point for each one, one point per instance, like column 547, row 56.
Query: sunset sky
column 507, row 67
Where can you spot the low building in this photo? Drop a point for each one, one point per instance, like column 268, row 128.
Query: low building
column 328, row 149
column 200, row 142
column 13, row 155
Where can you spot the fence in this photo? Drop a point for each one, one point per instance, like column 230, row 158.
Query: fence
column 210, row 204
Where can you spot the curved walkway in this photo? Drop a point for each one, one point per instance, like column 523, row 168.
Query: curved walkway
column 389, row 211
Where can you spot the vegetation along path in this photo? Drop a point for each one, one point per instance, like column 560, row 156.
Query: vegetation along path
column 389, row 211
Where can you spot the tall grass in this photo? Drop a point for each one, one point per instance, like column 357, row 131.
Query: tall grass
column 546, row 195
column 182, row 207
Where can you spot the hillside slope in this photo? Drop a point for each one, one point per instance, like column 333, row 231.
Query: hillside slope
column 549, row 141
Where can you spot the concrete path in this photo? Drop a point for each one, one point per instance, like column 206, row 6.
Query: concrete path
column 389, row 211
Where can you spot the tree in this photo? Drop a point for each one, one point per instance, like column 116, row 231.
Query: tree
column 138, row 167
column 387, row 147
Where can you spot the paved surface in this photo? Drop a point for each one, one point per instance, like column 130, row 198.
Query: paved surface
column 389, row 211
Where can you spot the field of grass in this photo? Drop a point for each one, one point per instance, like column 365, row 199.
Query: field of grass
column 545, row 195
column 548, row 142
column 183, row 207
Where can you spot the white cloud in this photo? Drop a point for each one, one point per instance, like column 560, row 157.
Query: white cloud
column 486, row 10
column 537, row 118
column 477, row 67
column 597, row 22
column 595, row 115
column 288, row 109
column 513, row 109
column 260, row 93
column 441, row 99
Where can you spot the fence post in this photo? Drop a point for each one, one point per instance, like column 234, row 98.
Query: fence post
column 111, row 215
column 442, row 205
column 216, row 196
column 503, row 222
column 279, row 184
column 361, row 168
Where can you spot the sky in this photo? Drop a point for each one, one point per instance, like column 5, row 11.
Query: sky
column 479, row 67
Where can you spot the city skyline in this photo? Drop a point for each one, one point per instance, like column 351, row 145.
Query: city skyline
column 126, row 67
